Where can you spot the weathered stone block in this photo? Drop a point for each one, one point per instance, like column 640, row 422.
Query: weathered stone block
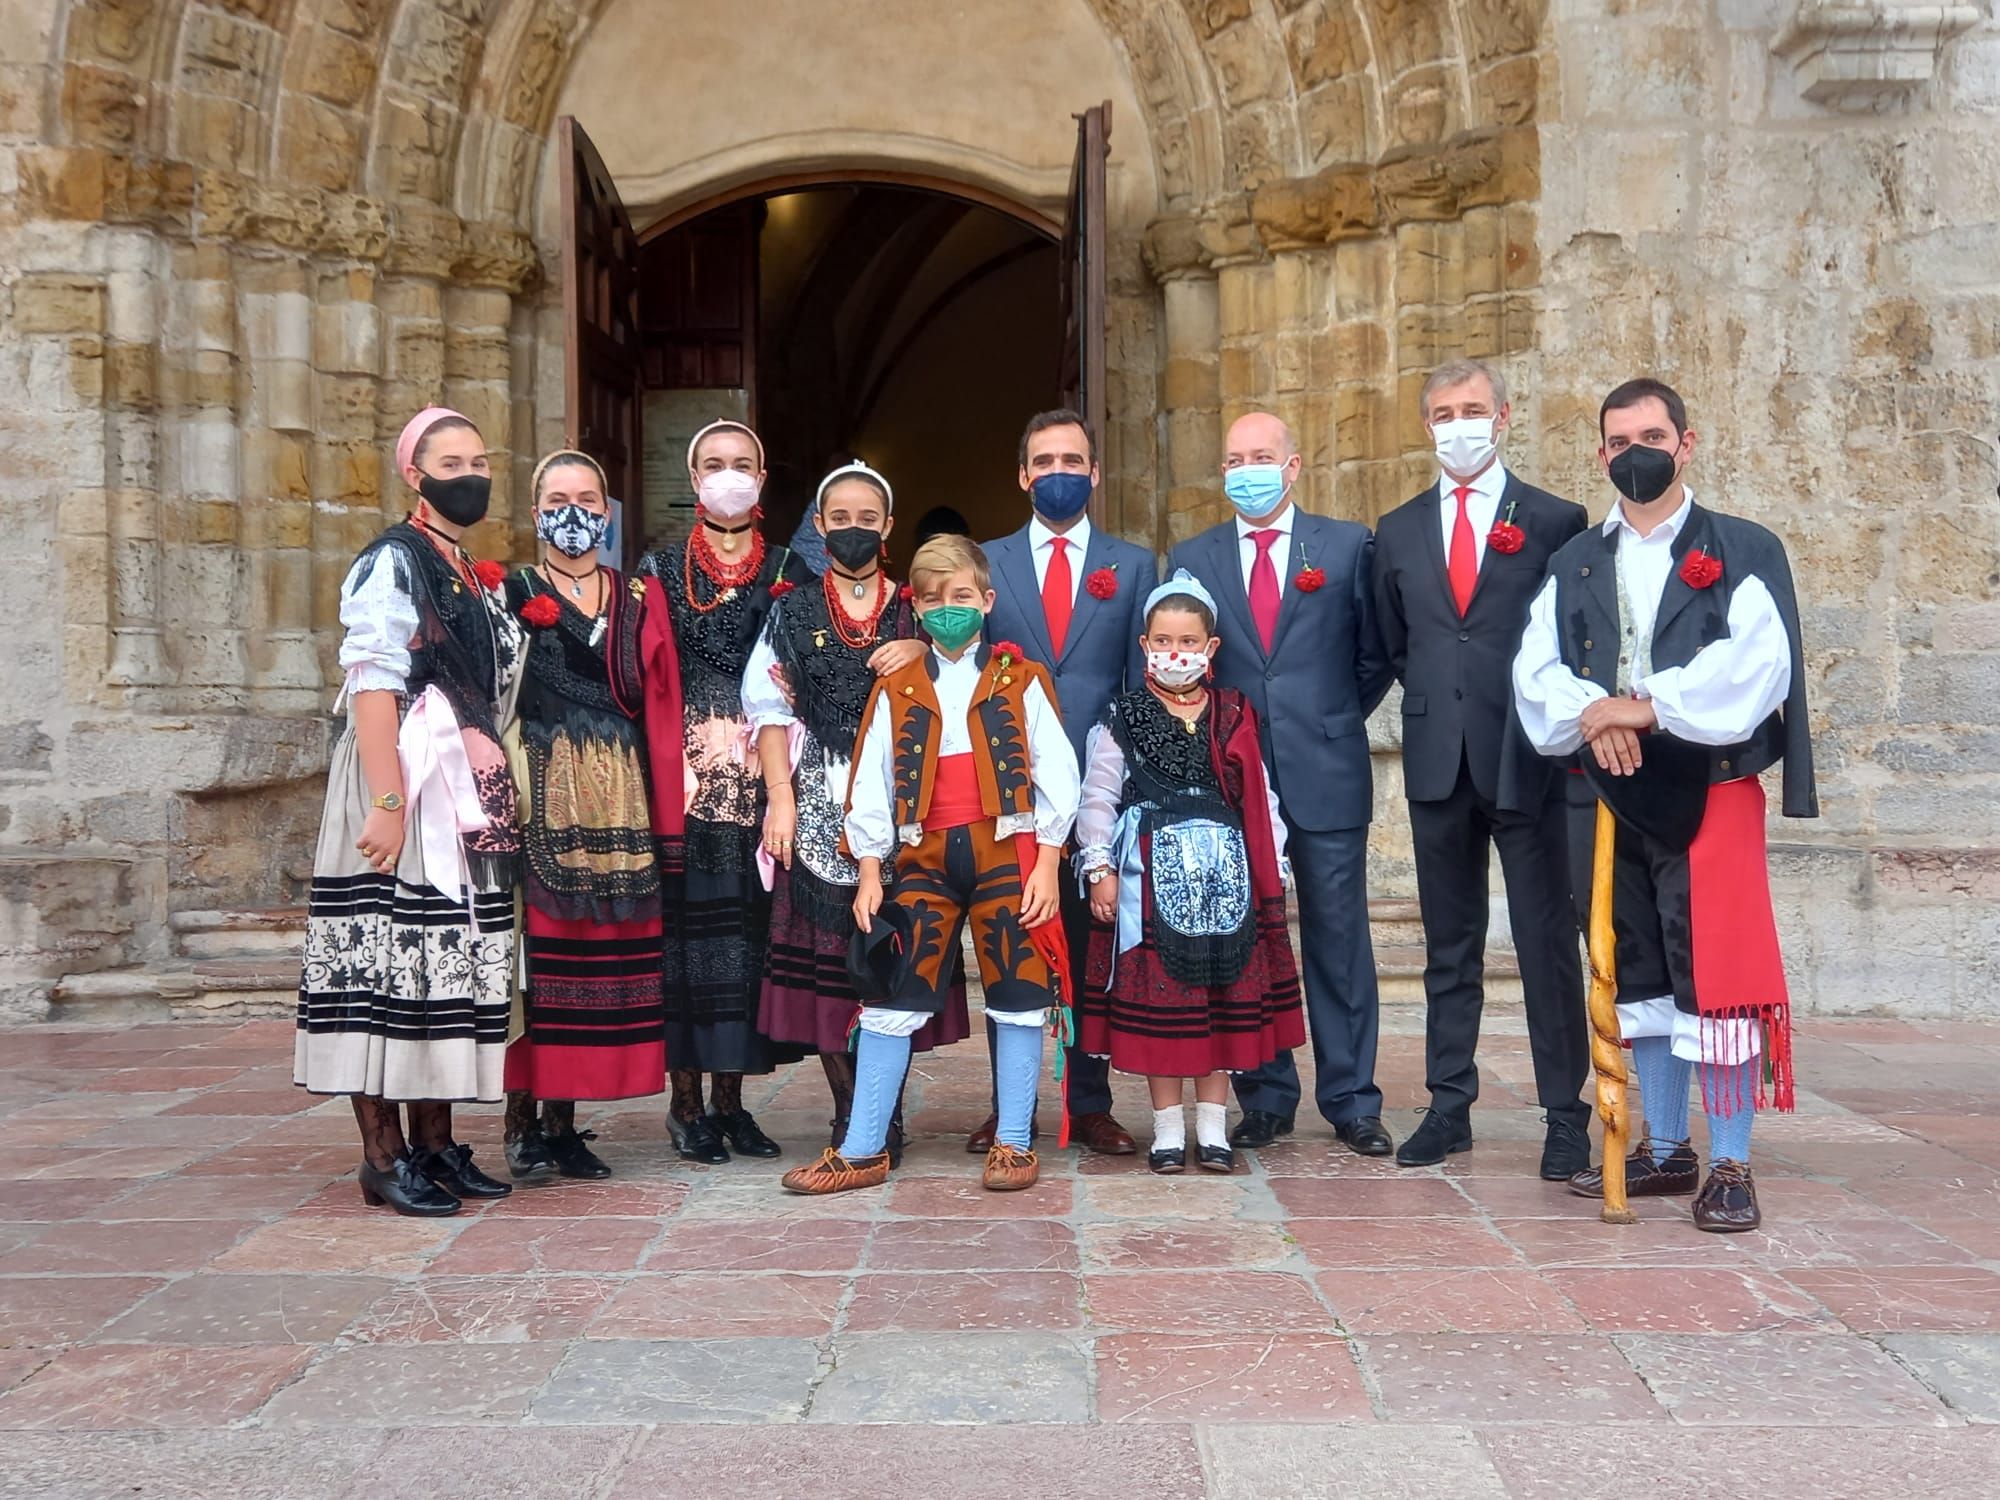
column 1334, row 120
column 1508, row 93
column 58, row 304
column 337, row 69
column 102, row 106
column 319, row 146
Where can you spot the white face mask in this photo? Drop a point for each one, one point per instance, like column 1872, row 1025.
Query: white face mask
column 1464, row 447
column 1176, row 669
column 728, row 494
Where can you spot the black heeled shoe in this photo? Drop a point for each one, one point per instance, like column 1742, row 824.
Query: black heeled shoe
column 1168, row 1162
column 406, row 1189
column 529, row 1159
column 698, row 1140
column 739, row 1128
column 573, row 1158
column 1215, row 1158
column 452, row 1170
column 894, row 1143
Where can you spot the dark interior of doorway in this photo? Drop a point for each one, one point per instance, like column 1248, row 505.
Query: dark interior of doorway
column 908, row 327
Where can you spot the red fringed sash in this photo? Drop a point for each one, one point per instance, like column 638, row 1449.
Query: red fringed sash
column 1238, row 760
column 660, row 664
column 1739, row 973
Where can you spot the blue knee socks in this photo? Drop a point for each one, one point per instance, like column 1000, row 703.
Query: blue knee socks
column 1735, row 1089
column 879, row 1065
column 1663, row 1086
column 1017, row 1068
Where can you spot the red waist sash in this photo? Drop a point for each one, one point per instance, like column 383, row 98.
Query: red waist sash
column 955, row 794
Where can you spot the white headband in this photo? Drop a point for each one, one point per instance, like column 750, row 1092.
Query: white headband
column 856, row 470
column 1183, row 582
column 725, row 424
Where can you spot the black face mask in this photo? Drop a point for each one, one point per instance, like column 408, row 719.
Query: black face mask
column 854, row 547
column 461, row 500
column 1643, row 474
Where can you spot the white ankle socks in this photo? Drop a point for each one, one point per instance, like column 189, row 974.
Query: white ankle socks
column 1170, row 1129
column 1211, row 1124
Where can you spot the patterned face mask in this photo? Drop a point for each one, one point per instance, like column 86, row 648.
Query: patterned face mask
column 571, row 530
column 1176, row 669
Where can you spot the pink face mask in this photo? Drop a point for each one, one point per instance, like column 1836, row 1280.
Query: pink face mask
column 728, row 494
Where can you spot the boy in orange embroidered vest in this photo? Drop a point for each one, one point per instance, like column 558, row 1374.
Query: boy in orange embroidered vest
column 964, row 773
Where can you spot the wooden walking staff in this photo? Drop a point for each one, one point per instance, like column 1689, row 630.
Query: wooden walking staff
column 1607, row 1054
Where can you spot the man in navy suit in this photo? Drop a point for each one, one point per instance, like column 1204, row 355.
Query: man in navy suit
column 1456, row 568
column 1073, row 597
column 1300, row 640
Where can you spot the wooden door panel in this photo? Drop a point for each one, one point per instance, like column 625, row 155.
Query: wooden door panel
column 1083, row 293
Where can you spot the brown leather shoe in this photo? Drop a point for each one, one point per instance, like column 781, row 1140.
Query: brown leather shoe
column 1008, row 1170
column 1727, row 1203
column 1645, row 1178
column 981, row 1140
column 1102, row 1134
column 834, row 1173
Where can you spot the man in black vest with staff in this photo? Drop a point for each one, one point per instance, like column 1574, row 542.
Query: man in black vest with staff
column 1455, row 570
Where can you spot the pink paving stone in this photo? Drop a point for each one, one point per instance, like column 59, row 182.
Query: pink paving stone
column 754, row 1245
column 387, row 1245
column 1908, row 1298
column 483, row 1310
column 260, row 1102
column 1773, row 1380
column 1973, row 1136
column 700, row 1304
column 214, row 1309
column 1973, row 1193
column 1368, row 1244
column 985, row 1245
column 613, row 1197
column 16, row 1365
column 1784, row 1244
column 1142, row 1245
column 1205, row 1302
column 185, row 1197
column 1531, row 1198
column 404, row 1385
column 497, row 1244
column 1589, row 1242
column 1332, row 1198
column 40, row 1311
column 963, row 1302
column 161, row 1080
column 1140, row 1195
column 106, row 1164
column 1979, row 1238
column 266, row 1161
column 1481, row 1378
column 110, row 1386
column 45, row 1200
column 1684, row 1300
column 1178, row 1377
column 1445, row 1301
column 209, row 1132
column 962, row 1197
column 141, row 1245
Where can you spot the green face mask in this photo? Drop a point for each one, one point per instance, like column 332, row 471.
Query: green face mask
column 952, row 625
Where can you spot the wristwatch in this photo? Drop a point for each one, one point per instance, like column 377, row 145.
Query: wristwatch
column 390, row 802
column 1093, row 876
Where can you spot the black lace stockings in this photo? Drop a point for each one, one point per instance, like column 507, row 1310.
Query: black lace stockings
column 382, row 1137
column 725, row 1095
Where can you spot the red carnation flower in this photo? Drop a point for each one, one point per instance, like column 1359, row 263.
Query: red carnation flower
column 1007, row 650
column 541, row 610
column 906, row 593
column 1699, row 570
column 1506, row 538
column 1103, row 583
column 490, row 574
column 1310, row 580
column 781, row 587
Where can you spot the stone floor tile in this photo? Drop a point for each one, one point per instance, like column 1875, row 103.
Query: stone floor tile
column 981, row 1244
column 1915, row 1299
column 1978, row 1238
column 322, row 1162
column 1245, row 1461
column 415, row 1385
column 141, row 1246
column 1973, row 1193
column 185, row 1197
column 1205, row 1302
column 1680, row 1299
column 964, row 1301
column 1181, row 1377
column 1784, row 1243
column 1482, row 1378
column 483, row 1310
column 1167, row 1245
column 614, row 1198
column 223, row 1309
column 110, row 1166
column 387, row 1244
column 161, row 1385
column 1141, row 1195
column 962, row 1463
column 1963, row 1368
column 498, row 1243
column 716, row 1305
column 682, row 1380
column 485, row 1463
column 45, row 1201
column 955, row 1377
column 1780, row 1380
column 1588, row 1241
column 242, row 1464
column 744, row 1198
column 1388, row 1243
column 158, row 1078
column 1531, row 1198
column 753, row 1245
column 16, row 1365
column 1406, row 1197
column 263, row 1103
column 961, row 1197
column 1449, row 1301
column 38, row 1312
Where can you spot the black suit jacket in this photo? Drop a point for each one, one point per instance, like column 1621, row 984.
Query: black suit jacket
column 1456, row 673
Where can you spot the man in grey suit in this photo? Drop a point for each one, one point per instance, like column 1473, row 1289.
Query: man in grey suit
column 1074, row 598
column 1300, row 640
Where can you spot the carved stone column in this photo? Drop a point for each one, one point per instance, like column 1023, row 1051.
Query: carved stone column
column 1191, row 389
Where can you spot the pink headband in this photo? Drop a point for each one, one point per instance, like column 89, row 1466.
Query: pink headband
column 417, row 426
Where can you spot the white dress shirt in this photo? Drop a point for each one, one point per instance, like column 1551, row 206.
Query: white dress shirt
column 1041, row 546
column 871, row 828
column 381, row 620
column 1482, row 507
column 1281, row 550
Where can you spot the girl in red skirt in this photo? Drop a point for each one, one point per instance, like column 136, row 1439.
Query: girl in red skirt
column 1181, row 849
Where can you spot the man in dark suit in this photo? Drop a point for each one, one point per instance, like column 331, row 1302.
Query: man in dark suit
column 1455, row 571
column 1074, row 598
column 1300, row 640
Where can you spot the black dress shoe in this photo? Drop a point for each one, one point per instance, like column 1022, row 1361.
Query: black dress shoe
column 1215, row 1158
column 574, row 1158
column 1437, row 1137
column 1167, row 1162
column 1565, row 1149
column 452, row 1170
column 1364, row 1136
column 404, row 1188
column 740, row 1130
column 698, row 1140
column 1258, row 1127
column 529, row 1159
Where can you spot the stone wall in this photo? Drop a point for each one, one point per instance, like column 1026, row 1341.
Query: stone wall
column 240, row 240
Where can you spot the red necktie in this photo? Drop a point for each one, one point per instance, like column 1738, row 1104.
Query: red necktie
column 1058, row 594
column 1462, row 567
column 1264, row 587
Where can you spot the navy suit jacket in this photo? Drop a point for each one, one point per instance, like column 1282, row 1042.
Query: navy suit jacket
column 1324, row 674
column 1100, row 657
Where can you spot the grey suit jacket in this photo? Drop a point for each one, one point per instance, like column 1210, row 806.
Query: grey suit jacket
column 1324, row 674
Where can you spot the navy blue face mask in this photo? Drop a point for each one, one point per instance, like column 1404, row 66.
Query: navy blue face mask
column 1061, row 497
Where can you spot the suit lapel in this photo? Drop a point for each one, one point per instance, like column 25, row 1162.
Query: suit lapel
column 1598, row 578
column 1228, row 570
column 1303, row 544
column 1017, row 567
column 1088, row 605
column 1679, row 593
column 1433, row 522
